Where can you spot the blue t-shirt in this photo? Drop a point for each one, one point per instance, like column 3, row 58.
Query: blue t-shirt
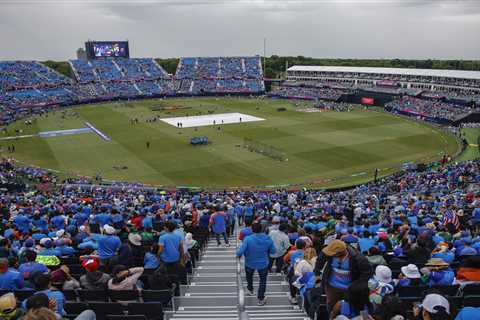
column 107, row 245
column 171, row 247
column 469, row 313
column 341, row 275
column 151, row 261
column 11, row 280
column 257, row 249
column 55, row 295
column 28, row 267
column 218, row 222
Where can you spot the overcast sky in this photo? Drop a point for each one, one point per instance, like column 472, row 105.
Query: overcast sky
column 46, row 29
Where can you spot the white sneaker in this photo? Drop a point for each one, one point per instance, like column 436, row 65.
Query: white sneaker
column 293, row 300
column 262, row 302
column 250, row 293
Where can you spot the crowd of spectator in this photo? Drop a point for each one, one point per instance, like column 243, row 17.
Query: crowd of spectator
column 220, row 75
column 364, row 250
column 428, row 108
column 308, row 92
column 28, row 85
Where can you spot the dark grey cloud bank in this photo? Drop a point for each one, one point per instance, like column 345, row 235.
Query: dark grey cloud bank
column 54, row 29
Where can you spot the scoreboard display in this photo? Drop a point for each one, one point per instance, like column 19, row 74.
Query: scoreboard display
column 107, row 49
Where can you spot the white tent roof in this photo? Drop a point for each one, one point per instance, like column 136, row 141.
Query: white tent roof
column 460, row 74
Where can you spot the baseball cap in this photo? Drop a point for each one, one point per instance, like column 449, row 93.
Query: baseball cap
column 434, row 300
column 335, row 247
column 90, row 264
column 8, row 303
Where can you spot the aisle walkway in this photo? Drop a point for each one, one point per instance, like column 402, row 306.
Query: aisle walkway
column 212, row 293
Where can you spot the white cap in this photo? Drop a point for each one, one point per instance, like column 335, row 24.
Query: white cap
column 383, row 274
column 435, row 300
column 109, row 229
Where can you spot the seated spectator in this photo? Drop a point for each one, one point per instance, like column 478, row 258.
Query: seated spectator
column 468, row 313
column 443, row 252
column 30, row 265
column 392, row 308
column 409, row 276
column 62, row 280
column 94, row 279
column 9, row 278
column 151, row 259
column 469, row 269
column 124, row 278
column 380, row 285
column 375, row 257
column 438, row 272
column 356, row 302
column 433, row 307
column 8, row 307
column 43, row 285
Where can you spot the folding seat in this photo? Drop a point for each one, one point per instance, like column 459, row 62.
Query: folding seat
column 74, row 308
column 471, row 301
column 472, row 289
column 93, row 295
column 102, row 309
column 162, row 296
column 411, row 291
column 70, row 295
column 450, row 290
column 151, row 310
column 123, row 295
column 23, row 294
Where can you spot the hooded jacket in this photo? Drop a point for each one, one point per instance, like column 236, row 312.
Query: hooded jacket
column 95, row 280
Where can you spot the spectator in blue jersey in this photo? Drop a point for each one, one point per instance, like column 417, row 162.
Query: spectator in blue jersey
column 257, row 248
column 48, row 249
column 22, row 222
column 58, row 221
column 170, row 246
column 468, row 313
column 438, row 272
column 249, row 212
column 218, row 225
column 339, row 265
column 409, row 276
column 43, row 285
column 108, row 244
column 245, row 231
column 9, row 278
column 30, row 266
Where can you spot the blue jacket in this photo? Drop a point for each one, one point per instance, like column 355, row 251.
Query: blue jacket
column 256, row 248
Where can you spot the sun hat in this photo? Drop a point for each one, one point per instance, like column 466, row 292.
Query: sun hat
column 411, row 271
column 334, row 247
column 434, row 300
column 135, row 239
column 8, row 303
column 383, row 274
column 436, row 262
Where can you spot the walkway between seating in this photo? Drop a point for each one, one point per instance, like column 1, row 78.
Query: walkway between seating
column 212, row 292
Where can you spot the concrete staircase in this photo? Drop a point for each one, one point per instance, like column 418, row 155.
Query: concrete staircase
column 213, row 293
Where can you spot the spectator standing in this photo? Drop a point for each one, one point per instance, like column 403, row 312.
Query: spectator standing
column 339, row 265
column 282, row 243
column 257, row 248
column 218, row 225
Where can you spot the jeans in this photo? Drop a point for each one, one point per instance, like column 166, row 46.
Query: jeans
column 278, row 264
column 262, row 286
column 224, row 233
column 86, row 315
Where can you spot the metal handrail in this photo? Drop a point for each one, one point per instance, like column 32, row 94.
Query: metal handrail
column 242, row 314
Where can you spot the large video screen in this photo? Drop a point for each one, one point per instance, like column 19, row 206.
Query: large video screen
column 110, row 49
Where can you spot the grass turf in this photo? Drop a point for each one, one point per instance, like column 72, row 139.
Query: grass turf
column 319, row 146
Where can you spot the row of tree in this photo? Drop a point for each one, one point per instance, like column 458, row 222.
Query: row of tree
column 275, row 65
